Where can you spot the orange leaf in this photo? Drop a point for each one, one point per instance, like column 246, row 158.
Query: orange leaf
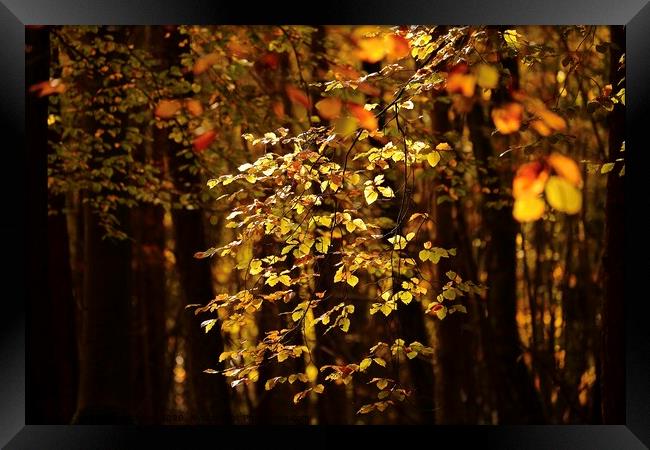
column 566, row 167
column 345, row 73
column 369, row 89
column 205, row 62
column 461, row 83
column 329, row 108
column 366, row 118
column 194, row 107
column 371, row 50
column 507, row 119
column 550, row 119
column 48, row 87
column 397, row 46
column 297, row 96
column 541, row 127
column 529, row 180
column 553, row 120
column 203, row 141
column 167, row 108
column 278, row 109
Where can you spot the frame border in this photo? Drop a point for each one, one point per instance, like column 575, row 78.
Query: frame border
column 15, row 14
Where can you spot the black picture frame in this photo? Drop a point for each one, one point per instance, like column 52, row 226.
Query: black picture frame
column 25, row 236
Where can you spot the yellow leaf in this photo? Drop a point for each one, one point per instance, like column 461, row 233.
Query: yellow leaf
column 527, row 209
column 487, row 76
column 365, row 364
column 352, row 280
column 386, row 191
column 382, row 384
column 443, row 147
column 386, row 308
column 380, row 361
column 338, row 276
column 285, row 279
column 398, row 242
column 370, row 194
column 345, row 125
column 345, row 324
column 255, row 267
column 563, row 196
column 406, row 297
column 433, row 158
column 359, row 224
column 319, row 388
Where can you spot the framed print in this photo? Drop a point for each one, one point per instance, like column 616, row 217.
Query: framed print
column 369, row 221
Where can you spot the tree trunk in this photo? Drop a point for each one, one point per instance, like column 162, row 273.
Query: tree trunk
column 452, row 347
column 104, row 385
column 517, row 401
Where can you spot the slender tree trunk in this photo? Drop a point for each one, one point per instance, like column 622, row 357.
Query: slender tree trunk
column 613, row 347
column 51, row 342
column 452, row 348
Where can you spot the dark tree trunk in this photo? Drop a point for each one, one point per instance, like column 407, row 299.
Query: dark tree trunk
column 209, row 394
column 51, row 341
column 150, row 361
column 452, row 348
column 517, row 401
column 104, row 385
column 613, row 347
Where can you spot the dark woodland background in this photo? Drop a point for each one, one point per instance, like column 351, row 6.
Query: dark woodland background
column 110, row 339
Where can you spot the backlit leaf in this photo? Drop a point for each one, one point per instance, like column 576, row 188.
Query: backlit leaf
column 527, row 209
column 563, row 195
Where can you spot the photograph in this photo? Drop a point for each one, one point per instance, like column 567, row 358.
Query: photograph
column 328, row 224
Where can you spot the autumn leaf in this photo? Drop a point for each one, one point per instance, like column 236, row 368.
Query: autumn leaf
column 370, row 194
column 166, row 109
column 397, row 47
column 372, row 49
column 461, row 83
column 433, row 158
column 487, row 76
column 563, row 195
column 194, row 107
column 205, row 62
column 507, row 119
column 366, row 118
column 528, row 209
column 329, row 108
column 204, row 140
column 49, row 87
column 566, row 167
column 297, row 95
column 529, row 180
